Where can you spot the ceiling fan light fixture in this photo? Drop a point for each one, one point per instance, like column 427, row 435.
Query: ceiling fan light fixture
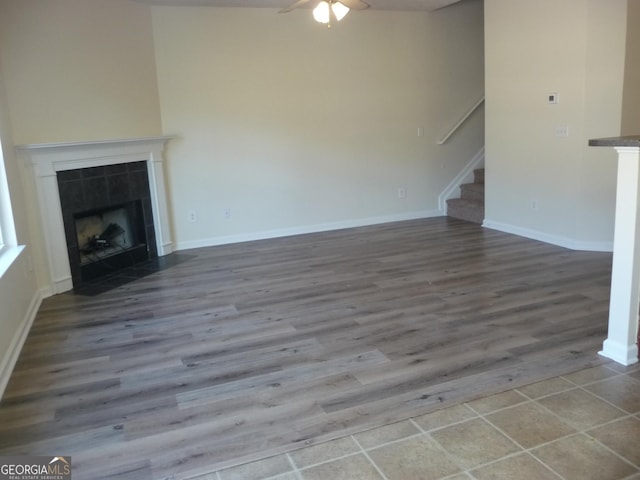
column 340, row 10
column 322, row 13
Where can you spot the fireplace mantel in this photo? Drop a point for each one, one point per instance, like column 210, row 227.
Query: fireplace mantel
column 45, row 160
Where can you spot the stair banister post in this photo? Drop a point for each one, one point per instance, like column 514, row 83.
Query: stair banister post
column 622, row 336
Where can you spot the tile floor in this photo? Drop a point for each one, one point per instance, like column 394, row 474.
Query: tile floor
column 581, row 426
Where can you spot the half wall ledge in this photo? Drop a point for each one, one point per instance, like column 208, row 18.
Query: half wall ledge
column 621, row 344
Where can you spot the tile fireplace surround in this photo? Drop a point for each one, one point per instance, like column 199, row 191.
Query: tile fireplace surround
column 45, row 160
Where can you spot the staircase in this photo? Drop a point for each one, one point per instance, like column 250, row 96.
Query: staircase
column 470, row 205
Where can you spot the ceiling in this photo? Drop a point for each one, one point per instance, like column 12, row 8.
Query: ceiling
column 425, row 5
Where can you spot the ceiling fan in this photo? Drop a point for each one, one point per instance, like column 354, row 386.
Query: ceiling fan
column 325, row 10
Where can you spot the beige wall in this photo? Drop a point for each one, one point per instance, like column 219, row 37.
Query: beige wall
column 604, row 80
column 296, row 127
column 631, row 100
column 575, row 48
column 78, row 70
column 18, row 287
column 74, row 70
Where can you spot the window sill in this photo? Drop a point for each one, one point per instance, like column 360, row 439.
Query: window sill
column 8, row 256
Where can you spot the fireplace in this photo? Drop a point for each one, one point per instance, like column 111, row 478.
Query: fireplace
column 107, row 240
column 106, row 234
column 107, row 217
column 102, row 206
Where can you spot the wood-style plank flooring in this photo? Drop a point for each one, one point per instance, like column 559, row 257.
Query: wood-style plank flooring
column 248, row 350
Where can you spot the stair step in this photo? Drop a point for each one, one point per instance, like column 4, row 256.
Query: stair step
column 478, row 175
column 472, row 191
column 472, row 211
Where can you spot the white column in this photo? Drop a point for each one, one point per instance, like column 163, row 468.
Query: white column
column 621, row 343
column 155, row 169
column 53, row 229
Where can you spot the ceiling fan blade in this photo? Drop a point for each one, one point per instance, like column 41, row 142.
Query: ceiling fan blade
column 355, row 4
column 294, row 5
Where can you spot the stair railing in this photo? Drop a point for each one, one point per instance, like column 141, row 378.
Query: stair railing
column 453, row 130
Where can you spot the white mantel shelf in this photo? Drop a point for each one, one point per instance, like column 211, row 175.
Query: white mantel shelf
column 116, row 141
column 46, row 159
column 54, row 157
column 622, row 337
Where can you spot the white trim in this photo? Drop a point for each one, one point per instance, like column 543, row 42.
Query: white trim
column 465, row 176
column 323, row 227
column 547, row 238
column 622, row 335
column 47, row 291
column 47, row 159
column 8, row 361
column 8, row 235
column 98, row 143
column 623, row 354
column 8, row 255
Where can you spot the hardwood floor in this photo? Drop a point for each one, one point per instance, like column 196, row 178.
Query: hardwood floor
column 249, row 350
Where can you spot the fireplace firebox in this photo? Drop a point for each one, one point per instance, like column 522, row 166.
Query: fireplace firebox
column 107, row 219
column 110, row 239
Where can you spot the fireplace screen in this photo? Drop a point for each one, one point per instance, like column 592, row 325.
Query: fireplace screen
column 110, row 238
column 103, row 234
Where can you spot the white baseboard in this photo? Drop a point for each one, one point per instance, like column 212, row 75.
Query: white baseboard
column 622, row 354
column 61, row 285
column 46, row 292
column 323, row 227
column 560, row 241
column 8, row 362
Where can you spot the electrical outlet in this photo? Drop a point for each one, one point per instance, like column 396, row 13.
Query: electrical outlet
column 227, row 213
column 193, row 216
column 562, row 131
column 402, row 193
